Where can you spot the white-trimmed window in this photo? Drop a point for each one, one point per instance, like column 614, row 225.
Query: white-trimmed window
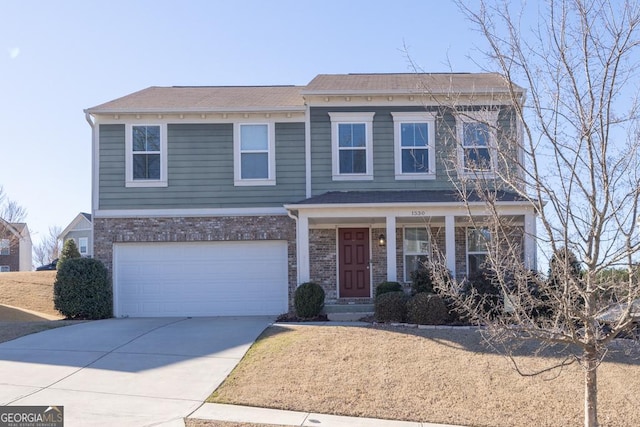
column 254, row 153
column 477, row 142
column 414, row 136
column 352, row 146
column 83, row 246
column 5, row 268
column 478, row 240
column 417, row 250
column 146, row 160
column 5, row 247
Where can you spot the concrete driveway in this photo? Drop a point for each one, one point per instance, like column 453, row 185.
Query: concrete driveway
column 125, row 372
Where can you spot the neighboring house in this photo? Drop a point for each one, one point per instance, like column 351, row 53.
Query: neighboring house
column 221, row 200
column 15, row 247
column 81, row 231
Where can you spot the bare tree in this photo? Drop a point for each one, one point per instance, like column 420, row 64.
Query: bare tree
column 576, row 158
column 10, row 210
column 49, row 247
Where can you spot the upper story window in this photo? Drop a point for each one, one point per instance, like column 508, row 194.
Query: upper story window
column 83, row 246
column 5, row 268
column 477, row 142
column 352, row 146
column 146, row 160
column 478, row 240
column 414, row 136
column 5, row 247
column 254, row 151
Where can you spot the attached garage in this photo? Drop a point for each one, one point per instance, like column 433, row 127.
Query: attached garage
column 200, row 278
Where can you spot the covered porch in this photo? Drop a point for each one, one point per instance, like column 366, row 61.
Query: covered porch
column 349, row 242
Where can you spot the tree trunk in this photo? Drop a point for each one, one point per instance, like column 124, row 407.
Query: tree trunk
column 590, row 390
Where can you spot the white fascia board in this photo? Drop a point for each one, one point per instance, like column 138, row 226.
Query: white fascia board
column 166, row 213
column 72, row 226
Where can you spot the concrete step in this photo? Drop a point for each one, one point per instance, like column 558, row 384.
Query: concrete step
column 348, row 317
column 348, row 308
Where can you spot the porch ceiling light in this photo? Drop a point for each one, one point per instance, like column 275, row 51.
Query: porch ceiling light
column 382, row 241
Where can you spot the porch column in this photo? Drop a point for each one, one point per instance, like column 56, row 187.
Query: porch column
column 392, row 271
column 450, row 243
column 304, row 274
column 530, row 241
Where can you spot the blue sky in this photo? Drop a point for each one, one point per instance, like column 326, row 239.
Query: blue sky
column 58, row 58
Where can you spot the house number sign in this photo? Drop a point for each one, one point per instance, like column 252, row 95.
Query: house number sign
column 418, row 213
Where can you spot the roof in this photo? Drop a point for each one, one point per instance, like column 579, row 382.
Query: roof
column 413, row 196
column 204, row 99
column 86, row 215
column 327, row 84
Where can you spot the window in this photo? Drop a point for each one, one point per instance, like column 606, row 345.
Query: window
column 5, row 269
column 477, row 141
column 146, row 158
column 478, row 240
column 416, row 250
column 352, row 152
column 255, row 154
column 414, row 135
column 83, row 246
column 5, row 247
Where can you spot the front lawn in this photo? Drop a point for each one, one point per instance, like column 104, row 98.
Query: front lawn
column 32, row 290
column 439, row 376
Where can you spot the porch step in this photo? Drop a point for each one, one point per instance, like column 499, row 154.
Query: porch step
column 348, row 312
column 348, row 308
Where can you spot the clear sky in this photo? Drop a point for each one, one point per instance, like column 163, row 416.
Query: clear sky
column 60, row 57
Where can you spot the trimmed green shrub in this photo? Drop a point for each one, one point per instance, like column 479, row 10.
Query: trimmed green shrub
column 421, row 281
column 391, row 307
column 482, row 286
column 69, row 251
column 427, row 309
column 308, row 300
column 82, row 290
column 386, row 287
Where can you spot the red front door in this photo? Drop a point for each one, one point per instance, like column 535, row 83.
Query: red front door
column 353, row 249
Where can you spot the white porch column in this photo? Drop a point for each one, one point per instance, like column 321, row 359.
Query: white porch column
column 450, row 243
column 304, row 273
column 530, row 241
column 392, row 271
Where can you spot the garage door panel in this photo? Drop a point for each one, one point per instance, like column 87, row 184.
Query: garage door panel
column 200, row 279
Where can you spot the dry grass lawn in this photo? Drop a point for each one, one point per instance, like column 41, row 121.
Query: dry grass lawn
column 439, row 376
column 32, row 290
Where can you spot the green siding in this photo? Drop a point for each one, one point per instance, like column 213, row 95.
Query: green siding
column 200, row 170
column 383, row 152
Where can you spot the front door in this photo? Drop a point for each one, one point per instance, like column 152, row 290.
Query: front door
column 353, row 249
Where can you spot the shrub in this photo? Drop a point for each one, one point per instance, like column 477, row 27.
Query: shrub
column 427, row 309
column 82, row 290
column 308, row 300
column 421, row 281
column 69, row 251
column 482, row 287
column 386, row 287
column 391, row 307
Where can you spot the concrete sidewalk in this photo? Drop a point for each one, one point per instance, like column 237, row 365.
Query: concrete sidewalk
column 247, row 414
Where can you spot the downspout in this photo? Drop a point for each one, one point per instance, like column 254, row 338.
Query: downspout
column 307, row 149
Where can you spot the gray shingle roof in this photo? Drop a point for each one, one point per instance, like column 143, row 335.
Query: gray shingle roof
column 390, row 197
column 326, row 84
column 204, row 99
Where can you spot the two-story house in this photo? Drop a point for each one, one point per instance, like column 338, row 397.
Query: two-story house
column 221, row 200
column 80, row 230
column 15, row 247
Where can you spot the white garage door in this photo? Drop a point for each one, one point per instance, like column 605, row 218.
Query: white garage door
column 200, row 279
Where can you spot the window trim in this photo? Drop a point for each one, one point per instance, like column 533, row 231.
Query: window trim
column 490, row 118
column 5, row 244
column 405, row 252
column 129, row 180
column 365, row 118
column 85, row 239
column 399, row 119
column 468, row 252
column 238, row 181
